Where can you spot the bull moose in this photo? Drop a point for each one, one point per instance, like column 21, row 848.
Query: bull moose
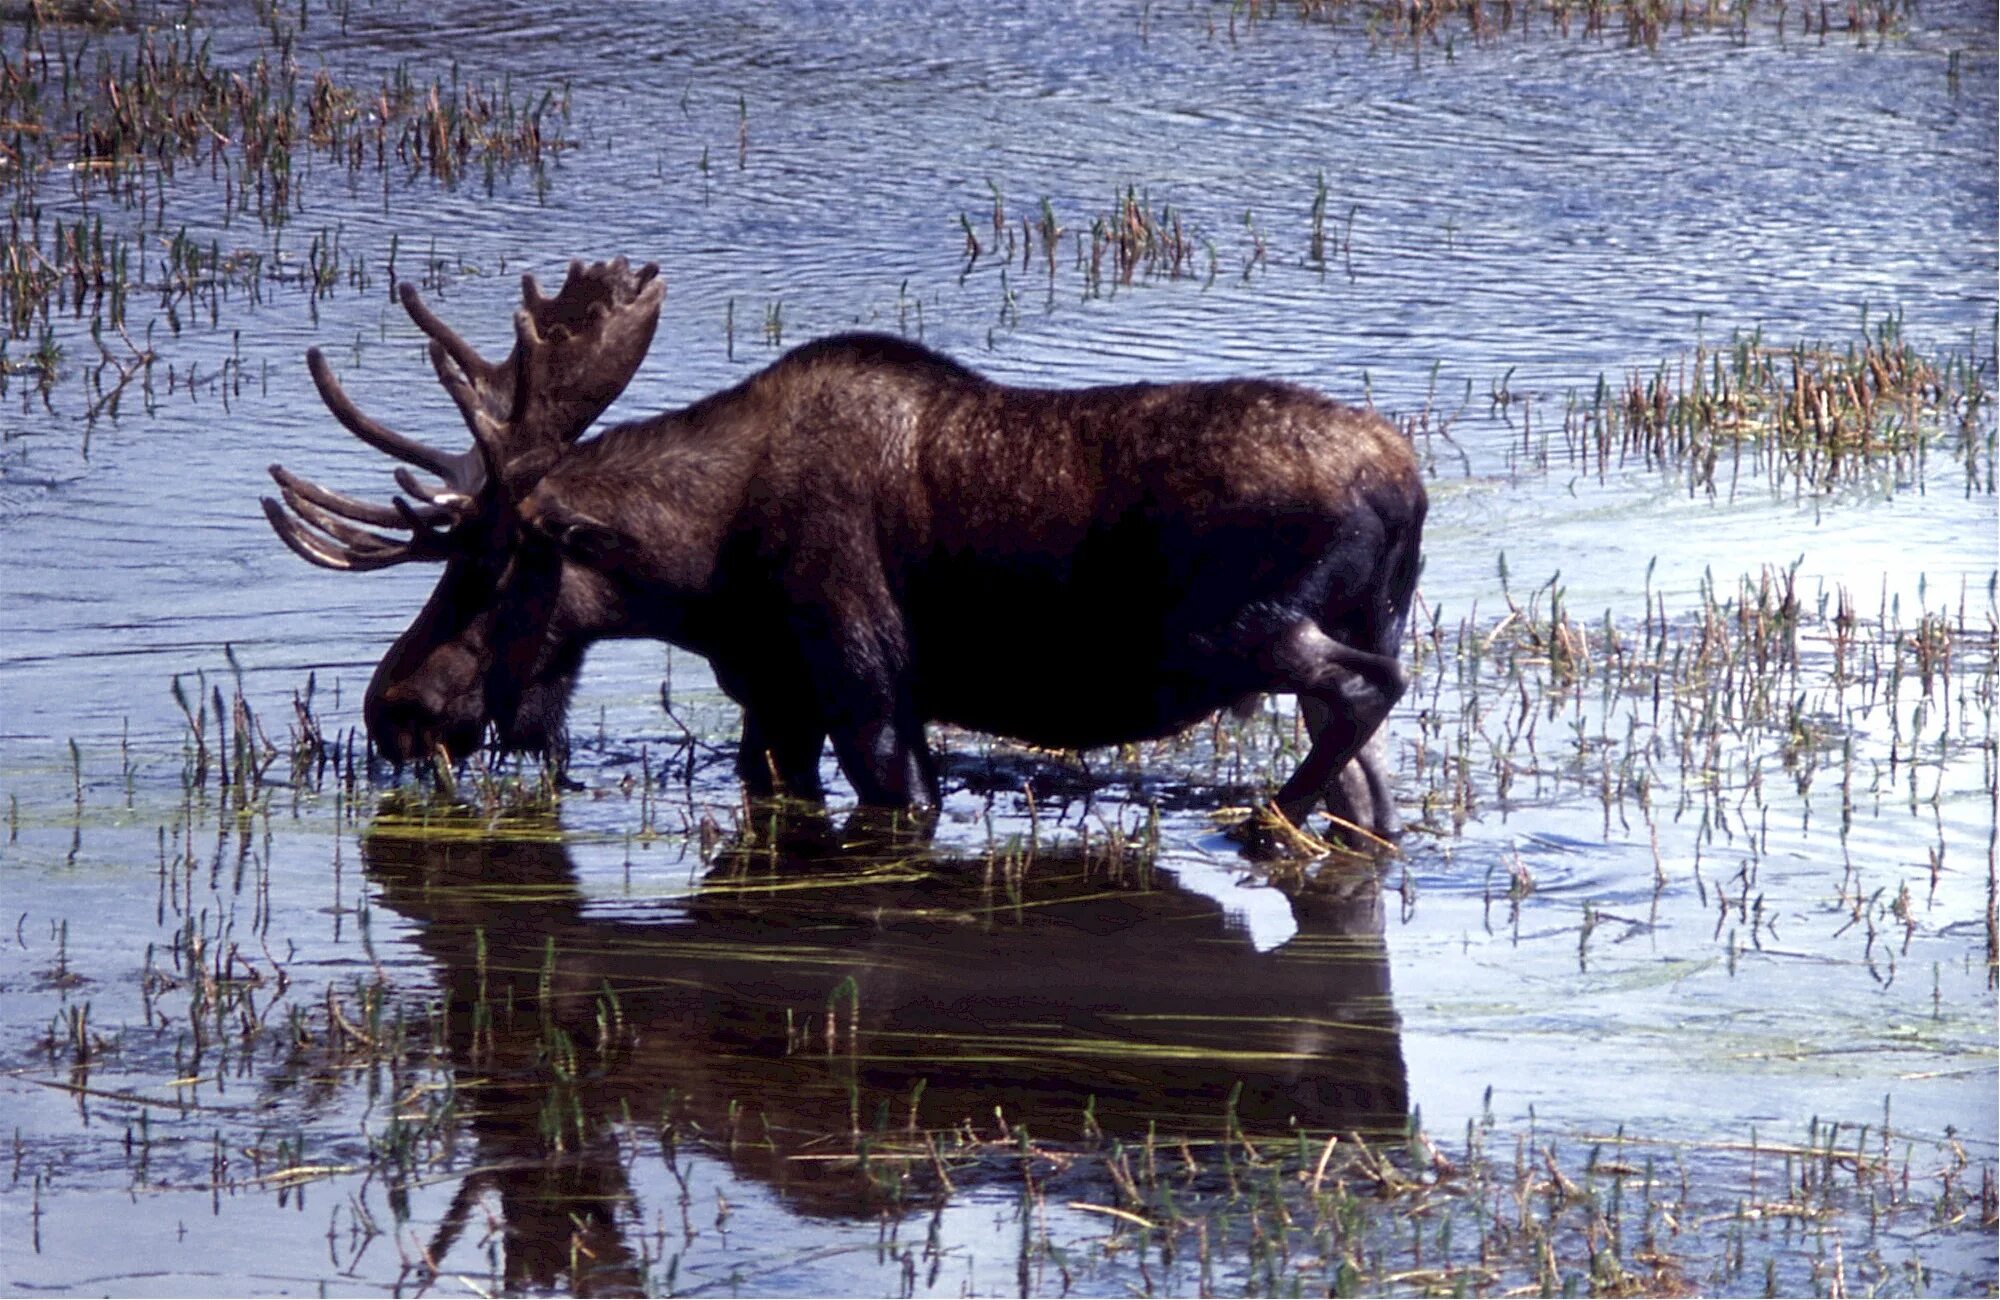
column 866, row 536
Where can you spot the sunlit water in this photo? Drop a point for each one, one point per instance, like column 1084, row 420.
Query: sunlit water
column 1542, row 208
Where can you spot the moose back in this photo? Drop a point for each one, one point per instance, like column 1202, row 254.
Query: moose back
column 866, row 536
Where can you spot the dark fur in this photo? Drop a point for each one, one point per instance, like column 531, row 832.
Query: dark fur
column 866, row 536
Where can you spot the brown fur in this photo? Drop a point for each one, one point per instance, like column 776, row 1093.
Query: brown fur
column 867, row 536
column 1069, row 567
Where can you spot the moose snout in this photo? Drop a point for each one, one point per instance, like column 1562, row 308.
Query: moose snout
column 397, row 724
column 406, row 725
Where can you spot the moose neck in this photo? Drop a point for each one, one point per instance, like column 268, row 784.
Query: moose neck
column 670, row 491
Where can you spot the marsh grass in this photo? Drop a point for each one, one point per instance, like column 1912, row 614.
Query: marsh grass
column 216, row 1056
column 1637, row 23
column 1802, row 417
column 1770, row 698
column 1132, row 240
column 1807, row 417
column 529, row 1068
column 121, row 127
column 1838, row 1207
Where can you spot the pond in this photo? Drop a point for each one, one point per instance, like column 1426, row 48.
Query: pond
column 1682, row 978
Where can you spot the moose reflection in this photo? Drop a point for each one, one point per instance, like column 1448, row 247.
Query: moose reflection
column 789, row 1010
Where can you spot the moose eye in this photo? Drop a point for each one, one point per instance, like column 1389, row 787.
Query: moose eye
column 581, row 539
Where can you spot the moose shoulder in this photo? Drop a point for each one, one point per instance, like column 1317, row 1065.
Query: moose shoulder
column 866, row 536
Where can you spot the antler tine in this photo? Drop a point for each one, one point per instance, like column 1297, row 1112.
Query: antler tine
column 373, row 432
column 449, row 498
column 487, row 434
column 430, row 323
column 420, row 520
column 365, row 512
column 353, row 539
column 310, row 548
column 357, row 541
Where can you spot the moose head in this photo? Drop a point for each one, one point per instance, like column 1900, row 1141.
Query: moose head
column 501, row 639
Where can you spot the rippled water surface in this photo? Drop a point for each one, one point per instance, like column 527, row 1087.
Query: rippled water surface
column 1695, row 911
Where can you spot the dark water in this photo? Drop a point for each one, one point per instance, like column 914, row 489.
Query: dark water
column 1538, row 207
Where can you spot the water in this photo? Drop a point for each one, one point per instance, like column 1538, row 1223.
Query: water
column 1537, row 209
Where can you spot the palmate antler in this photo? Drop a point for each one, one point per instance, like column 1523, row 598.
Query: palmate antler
column 573, row 355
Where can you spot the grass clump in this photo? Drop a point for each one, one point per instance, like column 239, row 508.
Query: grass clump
column 1811, row 416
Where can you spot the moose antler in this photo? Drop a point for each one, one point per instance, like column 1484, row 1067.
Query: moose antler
column 573, row 355
column 323, row 524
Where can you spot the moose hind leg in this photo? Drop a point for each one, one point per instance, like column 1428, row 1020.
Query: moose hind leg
column 1358, row 793
column 1352, row 692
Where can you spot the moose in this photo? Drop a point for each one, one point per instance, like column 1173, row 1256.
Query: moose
column 866, row 536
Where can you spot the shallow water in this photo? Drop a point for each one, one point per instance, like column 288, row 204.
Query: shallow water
column 1535, row 210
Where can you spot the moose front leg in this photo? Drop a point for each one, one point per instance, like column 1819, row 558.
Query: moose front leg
column 779, row 754
column 877, row 733
column 783, row 735
column 887, row 760
column 856, row 650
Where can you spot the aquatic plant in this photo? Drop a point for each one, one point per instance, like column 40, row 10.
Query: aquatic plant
column 1808, row 416
column 1640, row 23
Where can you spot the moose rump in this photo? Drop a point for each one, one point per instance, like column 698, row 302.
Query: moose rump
column 1152, row 548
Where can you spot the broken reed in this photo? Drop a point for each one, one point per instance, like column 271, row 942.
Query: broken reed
column 1129, row 240
column 1809, row 416
column 1608, row 1214
column 1636, row 22
column 227, row 752
column 164, row 101
column 550, row 1060
column 1514, row 1206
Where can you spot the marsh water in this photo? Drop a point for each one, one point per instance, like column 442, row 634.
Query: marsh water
column 1700, row 763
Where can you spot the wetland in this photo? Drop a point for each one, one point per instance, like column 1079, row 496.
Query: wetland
column 1681, row 980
